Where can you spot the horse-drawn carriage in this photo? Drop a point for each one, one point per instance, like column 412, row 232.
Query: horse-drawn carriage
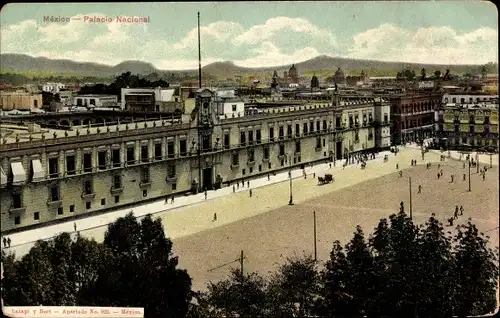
column 326, row 179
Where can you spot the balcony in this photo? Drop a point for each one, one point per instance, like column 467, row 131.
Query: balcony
column 17, row 210
column 116, row 190
column 54, row 175
column 145, row 183
column 54, row 203
column 235, row 165
column 251, row 162
column 88, row 196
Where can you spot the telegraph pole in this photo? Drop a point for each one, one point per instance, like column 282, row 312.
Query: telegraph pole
column 491, row 160
column 290, row 202
column 411, row 212
column 199, row 53
column 468, row 161
column 315, row 247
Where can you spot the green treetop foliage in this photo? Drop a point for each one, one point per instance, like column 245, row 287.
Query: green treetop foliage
column 401, row 270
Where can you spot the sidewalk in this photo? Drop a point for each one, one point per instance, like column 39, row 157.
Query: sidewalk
column 22, row 241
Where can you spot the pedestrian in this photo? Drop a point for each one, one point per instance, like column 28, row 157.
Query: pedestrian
column 401, row 207
column 484, row 176
column 441, row 172
column 400, row 174
column 456, row 212
column 463, row 177
column 250, row 192
column 268, row 177
column 439, row 175
column 314, row 175
column 463, row 166
column 8, row 241
column 234, row 189
column 215, row 217
column 397, row 166
column 451, row 178
column 166, row 199
column 4, row 242
column 205, row 194
column 248, row 184
column 439, row 165
column 485, row 168
column 419, row 188
column 330, row 165
column 173, row 197
column 451, row 221
column 237, row 184
column 74, row 226
column 461, row 210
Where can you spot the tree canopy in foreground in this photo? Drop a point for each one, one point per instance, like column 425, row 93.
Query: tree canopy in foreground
column 400, row 270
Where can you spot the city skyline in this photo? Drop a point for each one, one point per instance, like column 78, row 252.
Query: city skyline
column 254, row 35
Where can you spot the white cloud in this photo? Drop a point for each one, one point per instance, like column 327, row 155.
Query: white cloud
column 270, row 55
column 437, row 45
column 219, row 31
column 273, row 26
column 278, row 41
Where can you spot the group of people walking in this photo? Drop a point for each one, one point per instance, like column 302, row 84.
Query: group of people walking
column 458, row 212
column 6, row 242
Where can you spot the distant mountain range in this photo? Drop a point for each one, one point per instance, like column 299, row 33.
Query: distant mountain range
column 20, row 63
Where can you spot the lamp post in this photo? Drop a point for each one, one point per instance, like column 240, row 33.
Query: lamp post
column 491, row 160
column 315, row 246
column 289, row 158
column 411, row 209
column 477, row 162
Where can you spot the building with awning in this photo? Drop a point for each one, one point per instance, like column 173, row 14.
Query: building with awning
column 3, row 178
column 38, row 172
column 18, row 173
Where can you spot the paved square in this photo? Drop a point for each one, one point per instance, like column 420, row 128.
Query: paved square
column 268, row 238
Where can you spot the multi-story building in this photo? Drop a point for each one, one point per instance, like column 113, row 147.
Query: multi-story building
column 467, row 97
column 96, row 100
column 151, row 100
column 20, row 100
column 473, row 125
column 56, row 174
column 413, row 115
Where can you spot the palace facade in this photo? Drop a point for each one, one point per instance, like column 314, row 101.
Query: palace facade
column 50, row 175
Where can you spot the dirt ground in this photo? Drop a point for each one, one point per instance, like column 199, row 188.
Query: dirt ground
column 269, row 238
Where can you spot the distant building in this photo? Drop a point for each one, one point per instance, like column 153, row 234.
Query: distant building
column 20, row 100
column 290, row 77
column 52, row 87
column 228, row 105
column 467, row 97
column 96, row 100
column 151, row 100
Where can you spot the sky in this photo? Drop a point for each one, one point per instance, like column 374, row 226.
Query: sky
column 257, row 34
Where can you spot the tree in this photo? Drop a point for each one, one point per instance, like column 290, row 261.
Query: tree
column 437, row 73
column 437, row 266
column 334, row 299
column 360, row 276
column 142, row 270
column 53, row 272
column 483, row 71
column 241, row 295
column 476, row 273
column 423, row 75
column 294, row 288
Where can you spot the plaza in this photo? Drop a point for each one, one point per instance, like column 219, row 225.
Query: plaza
column 268, row 230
